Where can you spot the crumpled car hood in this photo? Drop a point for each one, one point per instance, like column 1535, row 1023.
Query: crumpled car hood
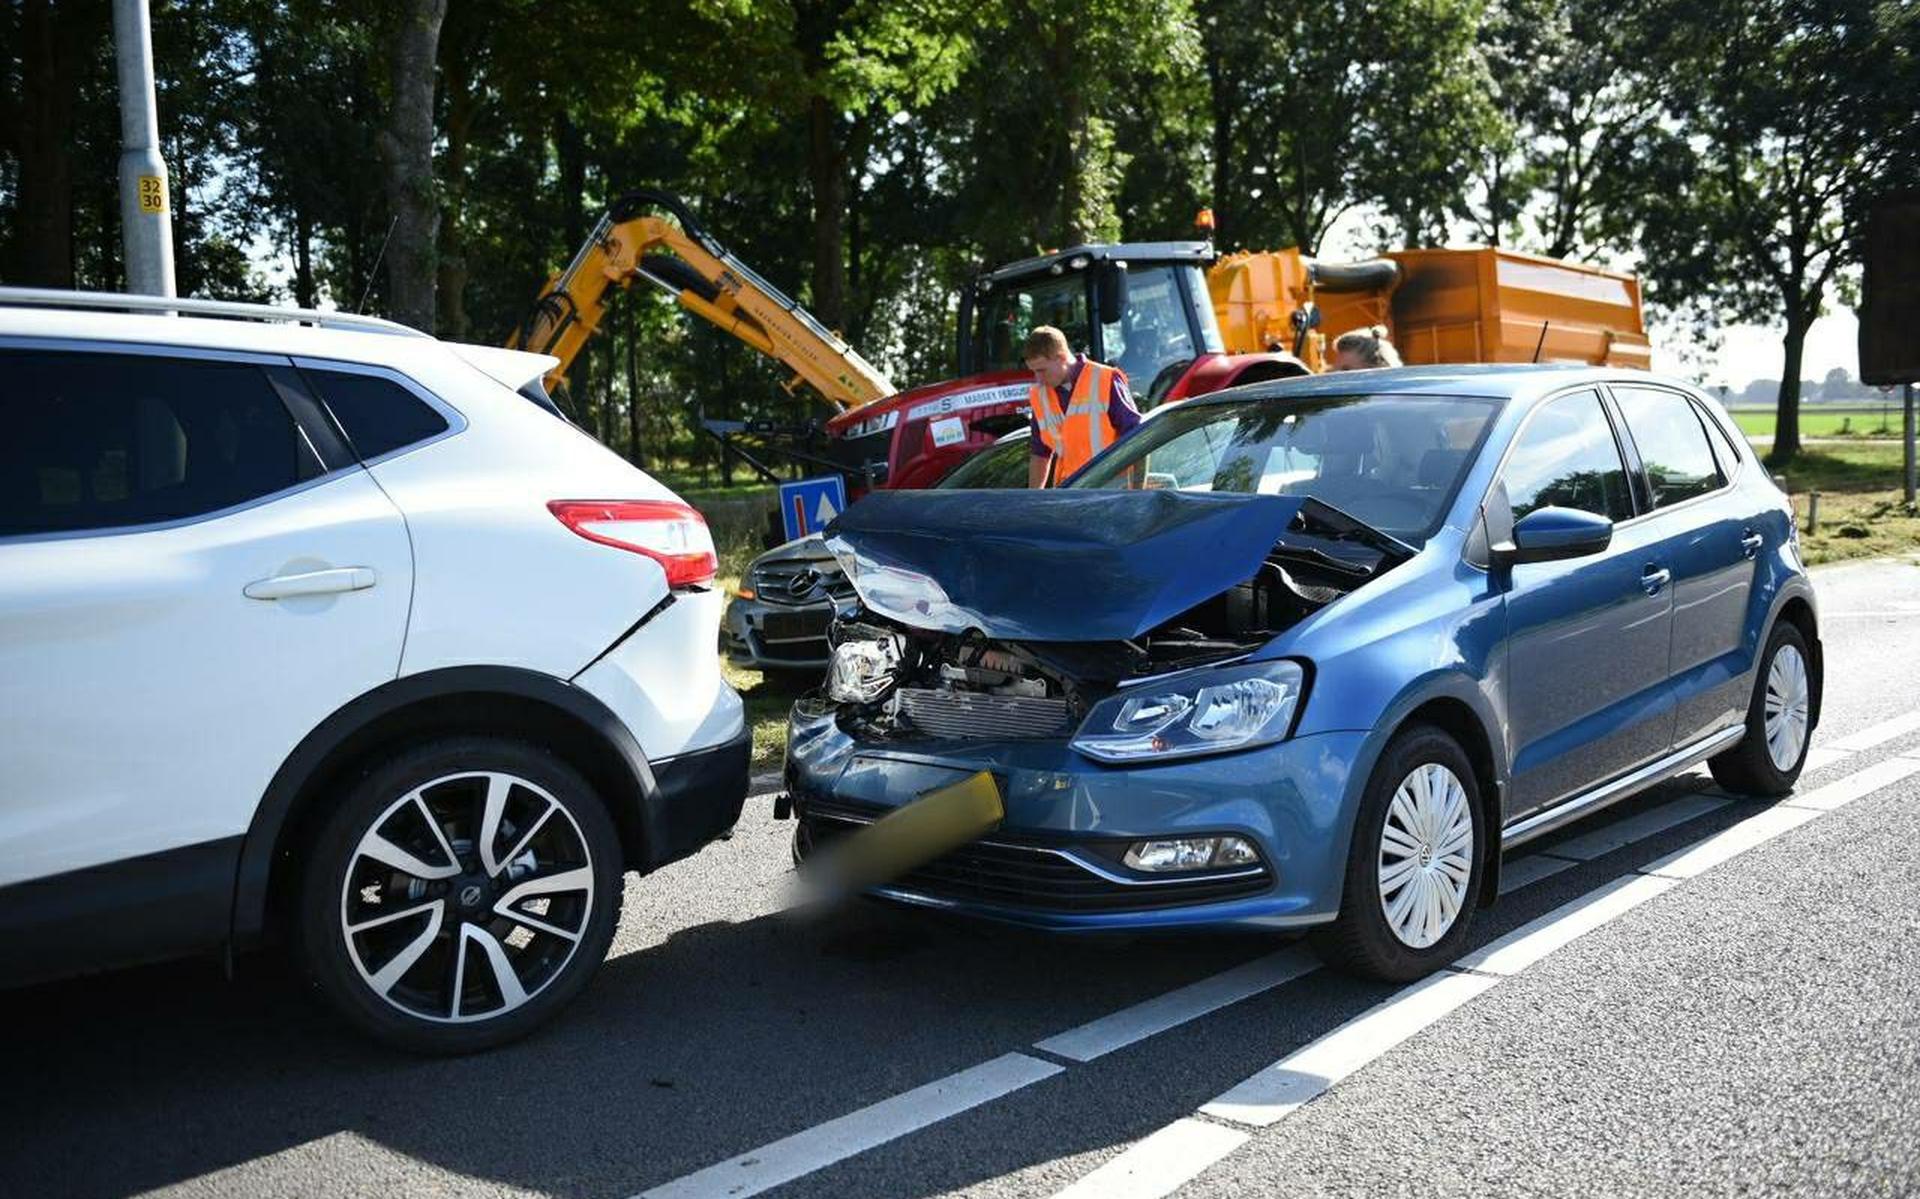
column 1051, row 565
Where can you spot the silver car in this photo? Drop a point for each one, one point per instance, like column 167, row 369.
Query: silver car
column 778, row 618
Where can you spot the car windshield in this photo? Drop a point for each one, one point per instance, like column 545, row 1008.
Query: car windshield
column 1393, row 461
column 1151, row 335
column 1003, row 464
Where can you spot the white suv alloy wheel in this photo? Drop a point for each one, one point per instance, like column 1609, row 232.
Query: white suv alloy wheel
column 467, row 897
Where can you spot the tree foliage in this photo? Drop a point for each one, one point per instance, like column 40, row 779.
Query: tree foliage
column 1795, row 114
column 870, row 155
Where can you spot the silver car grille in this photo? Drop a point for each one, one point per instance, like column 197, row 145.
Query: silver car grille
column 976, row 715
column 795, row 583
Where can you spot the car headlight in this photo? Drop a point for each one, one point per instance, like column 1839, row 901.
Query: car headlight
column 861, row 671
column 1203, row 712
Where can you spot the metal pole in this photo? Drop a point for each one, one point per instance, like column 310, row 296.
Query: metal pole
column 145, row 223
column 1906, row 434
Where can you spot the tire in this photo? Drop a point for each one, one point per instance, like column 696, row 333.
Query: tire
column 386, row 898
column 1785, row 675
column 1381, row 931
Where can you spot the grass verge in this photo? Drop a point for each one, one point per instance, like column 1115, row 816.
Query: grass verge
column 1865, row 421
column 1863, row 513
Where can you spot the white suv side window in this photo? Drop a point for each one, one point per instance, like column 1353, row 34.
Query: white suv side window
column 99, row 441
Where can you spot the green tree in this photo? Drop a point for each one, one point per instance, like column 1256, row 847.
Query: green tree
column 1578, row 122
column 1794, row 112
column 1319, row 107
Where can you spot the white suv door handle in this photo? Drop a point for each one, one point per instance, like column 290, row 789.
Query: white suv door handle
column 312, row 582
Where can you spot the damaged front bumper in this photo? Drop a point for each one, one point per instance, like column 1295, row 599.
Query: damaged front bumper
column 1057, row 861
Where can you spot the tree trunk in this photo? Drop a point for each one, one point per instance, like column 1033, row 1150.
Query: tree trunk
column 452, row 269
column 1786, row 417
column 303, row 289
column 827, row 171
column 407, row 146
column 43, row 214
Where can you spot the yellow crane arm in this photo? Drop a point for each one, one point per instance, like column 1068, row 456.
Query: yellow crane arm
column 679, row 257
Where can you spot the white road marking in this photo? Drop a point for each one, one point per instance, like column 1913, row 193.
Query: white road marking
column 1896, row 612
column 1821, row 756
column 1723, row 846
column 1528, row 870
column 1885, row 731
column 1161, row 1164
column 856, row 1132
column 1270, row 1095
column 1861, row 782
column 1608, row 838
column 1156, row 1015
column 1537, row 938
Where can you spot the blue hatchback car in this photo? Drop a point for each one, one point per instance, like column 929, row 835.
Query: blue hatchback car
column 1313, row 653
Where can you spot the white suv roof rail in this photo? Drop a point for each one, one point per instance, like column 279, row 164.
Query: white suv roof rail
column 37, row 297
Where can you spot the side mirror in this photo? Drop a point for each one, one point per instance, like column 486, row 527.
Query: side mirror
column 1110, row 292
column 1551, row 534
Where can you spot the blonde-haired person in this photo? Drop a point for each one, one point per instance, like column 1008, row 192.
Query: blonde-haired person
column 1363, row 349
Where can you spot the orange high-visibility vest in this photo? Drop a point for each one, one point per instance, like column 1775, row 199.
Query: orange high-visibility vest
column 1084, row 429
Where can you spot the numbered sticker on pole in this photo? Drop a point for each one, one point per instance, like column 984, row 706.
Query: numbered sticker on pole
column 153, row 194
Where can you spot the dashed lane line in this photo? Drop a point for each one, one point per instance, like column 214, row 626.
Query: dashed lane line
column 1878, row 734
column 1269, row 1096
column 1638, row 827
column 1536, row 939
column 1156, row 1015
column 858, row 1131
column 1160, row 1164
column 1861, row 782
column 1528, row 870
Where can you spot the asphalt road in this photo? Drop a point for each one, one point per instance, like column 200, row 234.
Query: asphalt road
column 1753, row 1026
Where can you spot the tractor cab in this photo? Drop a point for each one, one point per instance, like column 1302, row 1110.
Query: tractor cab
column 1140, row 306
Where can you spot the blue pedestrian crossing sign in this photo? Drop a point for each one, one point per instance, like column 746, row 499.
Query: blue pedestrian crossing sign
column 808, row 504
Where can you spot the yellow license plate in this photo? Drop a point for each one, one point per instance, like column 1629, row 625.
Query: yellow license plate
column 913, row 835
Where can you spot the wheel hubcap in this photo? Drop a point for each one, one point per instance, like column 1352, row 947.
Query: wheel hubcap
column 1786, row 707
column 1426, row 856
column 467, row 897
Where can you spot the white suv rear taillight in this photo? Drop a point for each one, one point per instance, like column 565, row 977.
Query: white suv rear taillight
column 667, row 531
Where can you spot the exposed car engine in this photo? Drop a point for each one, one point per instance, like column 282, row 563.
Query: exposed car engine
column 891, row 680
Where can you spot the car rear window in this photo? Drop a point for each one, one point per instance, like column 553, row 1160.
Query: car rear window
column 378, row 415
column 1673, row 446
column 100, row 441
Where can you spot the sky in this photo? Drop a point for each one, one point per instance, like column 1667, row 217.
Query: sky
column 1754, row 352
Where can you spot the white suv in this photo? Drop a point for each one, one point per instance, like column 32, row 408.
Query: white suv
column 316, row 628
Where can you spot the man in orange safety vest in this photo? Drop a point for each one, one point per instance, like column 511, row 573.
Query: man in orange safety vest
column 1079, row 407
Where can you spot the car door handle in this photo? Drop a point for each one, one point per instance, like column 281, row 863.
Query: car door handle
column 1752, row 542
column 312, row 582
column 1653, row 578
